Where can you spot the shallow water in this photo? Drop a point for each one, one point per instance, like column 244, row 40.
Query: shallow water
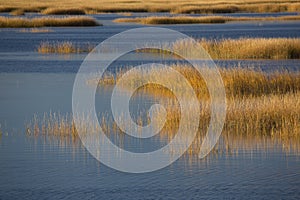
column 38, row 167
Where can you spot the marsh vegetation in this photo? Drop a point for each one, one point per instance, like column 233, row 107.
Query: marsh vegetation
column 200, row 20
column 63, row 47
column 180, row 6
column 17, row 22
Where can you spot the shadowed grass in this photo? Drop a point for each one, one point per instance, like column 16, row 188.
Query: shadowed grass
column 200, row 20
column 6, row 22
column 65, row 47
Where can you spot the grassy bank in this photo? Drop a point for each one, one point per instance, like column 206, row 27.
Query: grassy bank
column 15, row 22
column 179, row 6
column 200, row 20
column 64, row 47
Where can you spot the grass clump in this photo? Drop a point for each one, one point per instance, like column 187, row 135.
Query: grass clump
column 17, row 12
column 6, row 22
column 64, row 47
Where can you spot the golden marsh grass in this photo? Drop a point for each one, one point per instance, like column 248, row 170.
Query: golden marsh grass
column 200, row 20
column 239, row 82
column 250, row 48
column 249, row 124
column 64, row 47
column 15, row 22
column 179, row 6
column 63, row 11
column 241, row 48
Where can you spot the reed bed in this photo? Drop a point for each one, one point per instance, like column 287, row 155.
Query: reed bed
column 272, row 116
column 258, row 123
column 241, row 48
column 238, row 82
column 179, row 6
column 250, row 48
column 200, row 20
column 64, row 47
column 7, row 22
column 262, row 106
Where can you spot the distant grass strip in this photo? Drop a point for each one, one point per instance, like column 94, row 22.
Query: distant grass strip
column 171, row 6
column 64, row 47
column 15, row 22
column 63, row 11
column 200, row 20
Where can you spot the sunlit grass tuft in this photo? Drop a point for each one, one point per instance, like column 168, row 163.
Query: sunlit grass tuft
column 64, row 47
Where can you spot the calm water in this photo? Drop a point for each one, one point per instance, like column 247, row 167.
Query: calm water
column 40, row 168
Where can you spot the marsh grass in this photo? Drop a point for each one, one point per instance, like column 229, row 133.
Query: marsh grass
column 250, row 48
column 238, row 82
column 17, row 12
column 200, row 20
column 241, row 48
column 63, row 11
column 64, row 47
column 7, row 22
column 255, row 123
column 179, row 6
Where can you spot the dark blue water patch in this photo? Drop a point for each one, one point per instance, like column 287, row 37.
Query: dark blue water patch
column 12, row 40
column 57, row 63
